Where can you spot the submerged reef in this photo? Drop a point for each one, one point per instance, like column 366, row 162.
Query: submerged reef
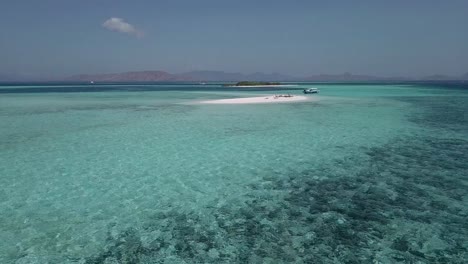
column 402, row 202
column 407, row 203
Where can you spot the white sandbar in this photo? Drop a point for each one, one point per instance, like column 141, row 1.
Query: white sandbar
column 259, row 100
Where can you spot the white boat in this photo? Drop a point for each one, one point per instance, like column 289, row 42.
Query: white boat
column 310, row 90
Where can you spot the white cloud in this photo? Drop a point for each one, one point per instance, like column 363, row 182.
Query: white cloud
column 119, row 25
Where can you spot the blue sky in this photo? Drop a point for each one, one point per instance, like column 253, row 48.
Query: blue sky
column 388, row 38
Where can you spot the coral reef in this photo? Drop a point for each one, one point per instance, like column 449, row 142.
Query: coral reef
column 401, row 206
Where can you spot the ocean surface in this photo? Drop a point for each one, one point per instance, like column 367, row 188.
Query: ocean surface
column 367, row 173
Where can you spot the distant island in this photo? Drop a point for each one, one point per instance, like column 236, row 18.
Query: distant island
column 250, row 83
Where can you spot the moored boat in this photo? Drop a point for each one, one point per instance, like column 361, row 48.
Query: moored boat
column 311, row 90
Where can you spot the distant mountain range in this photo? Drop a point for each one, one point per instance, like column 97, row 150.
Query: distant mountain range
column 200, row 76
column 221, row 76
column 348, row 77
column 140, row 76
column 441, row 77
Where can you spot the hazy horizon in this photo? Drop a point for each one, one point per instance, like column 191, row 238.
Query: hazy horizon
column 55, row 39
column 219, row 75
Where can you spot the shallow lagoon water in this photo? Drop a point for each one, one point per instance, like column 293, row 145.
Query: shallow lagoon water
column 144, row 174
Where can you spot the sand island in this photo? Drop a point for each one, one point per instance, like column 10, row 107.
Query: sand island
column 281, row 98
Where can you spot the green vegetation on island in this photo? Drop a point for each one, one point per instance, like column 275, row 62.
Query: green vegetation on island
column 249, row 83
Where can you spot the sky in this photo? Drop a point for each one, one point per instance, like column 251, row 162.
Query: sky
column 377, row 37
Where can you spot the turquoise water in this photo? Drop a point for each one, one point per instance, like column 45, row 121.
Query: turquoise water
column 145, row 174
